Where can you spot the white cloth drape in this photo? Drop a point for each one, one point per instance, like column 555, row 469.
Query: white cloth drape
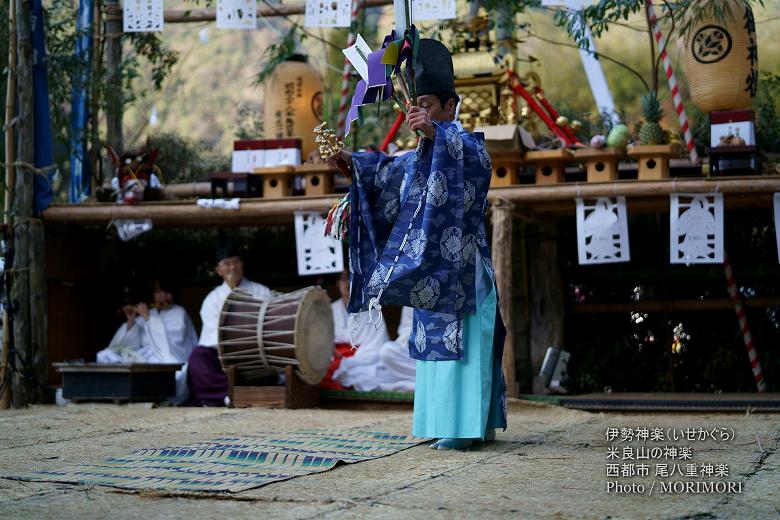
column 378, row 364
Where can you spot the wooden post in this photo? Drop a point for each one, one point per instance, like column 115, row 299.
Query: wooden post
column 23, row 391
column 547, row 305
column 10, row 113
column 96, row 177
column 115, row 101
column 502, row 262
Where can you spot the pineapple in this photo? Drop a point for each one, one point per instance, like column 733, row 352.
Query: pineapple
column 651, row 132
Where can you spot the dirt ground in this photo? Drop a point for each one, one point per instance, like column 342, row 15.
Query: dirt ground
column 550, row 463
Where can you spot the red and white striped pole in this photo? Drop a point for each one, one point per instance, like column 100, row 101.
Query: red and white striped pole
column 758, row 375
column 347, row 73
column 678, row 106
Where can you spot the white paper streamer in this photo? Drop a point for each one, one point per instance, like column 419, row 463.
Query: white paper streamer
column 602, row 230
column 236, row 14
column 696, row 228
column 328, row 13
column 317, row 254
column 357, row 55
column 142, row 16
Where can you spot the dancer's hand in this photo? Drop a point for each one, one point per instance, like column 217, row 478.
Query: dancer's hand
column 417, row 118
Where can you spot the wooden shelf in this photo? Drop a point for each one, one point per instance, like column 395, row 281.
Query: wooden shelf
column 642, row 196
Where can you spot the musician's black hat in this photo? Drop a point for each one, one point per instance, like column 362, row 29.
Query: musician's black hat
column 225, row 248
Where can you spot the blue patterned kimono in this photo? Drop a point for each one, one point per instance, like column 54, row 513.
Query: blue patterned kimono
column 416, row 228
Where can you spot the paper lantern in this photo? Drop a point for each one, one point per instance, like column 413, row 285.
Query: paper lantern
column 293, row 103
column 722, row 61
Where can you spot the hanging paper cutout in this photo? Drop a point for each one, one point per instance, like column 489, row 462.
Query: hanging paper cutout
column 142, row 16
column 317, row 254
column 602, row 231
column 696, row 228
column 236, row 14
column 432, row 10
column 777, row 223
column 328, row 13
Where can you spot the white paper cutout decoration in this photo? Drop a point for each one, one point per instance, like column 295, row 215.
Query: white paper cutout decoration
column 236, row 14
column 777, row 223
column 602, row 231
column 432, row 10
column 328, row 13
column 696, row 228
column 142, row 16
column 317, row 254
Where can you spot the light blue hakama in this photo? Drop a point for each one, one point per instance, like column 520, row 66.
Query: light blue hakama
column 456, row 399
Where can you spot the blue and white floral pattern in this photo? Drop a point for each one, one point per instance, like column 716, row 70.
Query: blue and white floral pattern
column 421, row 253
column 437, row 189
column 425, row 294
column 415, row 243
column 420, row 339
column 453, row 336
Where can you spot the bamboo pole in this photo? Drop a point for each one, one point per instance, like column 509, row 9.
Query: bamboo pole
column 23, row 389
column 10, row 112
column 267, row 11
column 501, row 218
column 115, row 101
column 94, row 97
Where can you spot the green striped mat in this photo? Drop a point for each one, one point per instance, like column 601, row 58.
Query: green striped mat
column 230, row 463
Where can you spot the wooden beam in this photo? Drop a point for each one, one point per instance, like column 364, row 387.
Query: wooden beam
column 651, row 196
column 501, row 218
column 533, row 194
column 266, row 11
column 188, row 214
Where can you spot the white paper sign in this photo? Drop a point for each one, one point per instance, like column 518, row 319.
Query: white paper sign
column 696, row 228
column 777, row 223
column 433, row 10
column 328, row 13
column 317, row 254
column 142, row 16
column 602, row 231
column 236, row 14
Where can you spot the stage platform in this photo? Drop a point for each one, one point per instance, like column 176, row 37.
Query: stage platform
column 667, row 402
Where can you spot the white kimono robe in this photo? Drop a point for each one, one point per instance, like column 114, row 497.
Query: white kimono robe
column 378, row 364
column 168, row 336
column 212, row 307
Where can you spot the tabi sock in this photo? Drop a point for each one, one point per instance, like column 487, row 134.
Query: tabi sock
column 452, row 444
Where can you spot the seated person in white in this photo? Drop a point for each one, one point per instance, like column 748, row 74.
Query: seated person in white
column 378, row 364
column 164, row 334
column 125, row 346
column 367, row 339
column 207, row 381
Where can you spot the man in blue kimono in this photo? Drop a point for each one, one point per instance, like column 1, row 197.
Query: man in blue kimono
column 417, row 238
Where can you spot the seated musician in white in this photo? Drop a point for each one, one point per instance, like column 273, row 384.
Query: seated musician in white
column 378, row 363
column 162, row 334
column 367, row 338
column 207, row 381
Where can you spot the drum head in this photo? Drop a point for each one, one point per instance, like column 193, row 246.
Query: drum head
column 314, row 335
